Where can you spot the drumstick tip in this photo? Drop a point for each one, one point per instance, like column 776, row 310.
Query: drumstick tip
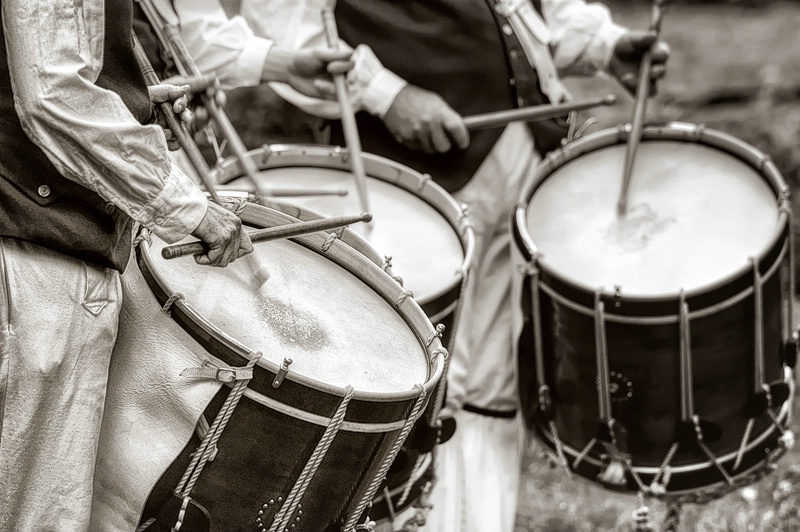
column 610, row 99
column 365, row 217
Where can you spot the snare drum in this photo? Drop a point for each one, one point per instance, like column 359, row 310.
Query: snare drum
column 656, row 351
column 322, row 373
column 414, row 220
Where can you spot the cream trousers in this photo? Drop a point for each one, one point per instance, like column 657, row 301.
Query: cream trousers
column 58, row 321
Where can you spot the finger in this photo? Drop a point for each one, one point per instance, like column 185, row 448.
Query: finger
column 325, row 88
column 657, row 72
column 173, row 145
column 628, row 80
column 221, row 98
column 422, row 135
column 660, row 52
column 245, row 245
column 340, row 67
column 200, row 115
column 326, row 55
column 637, row 42
column 439, row 140
column 187, row 117
column 456, row 129
column 178, row 91
column 180, row 104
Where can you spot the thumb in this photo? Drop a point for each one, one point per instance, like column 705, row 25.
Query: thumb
column 636, row 42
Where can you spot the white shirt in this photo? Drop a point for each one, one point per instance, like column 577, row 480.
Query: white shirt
column 55, row 54
column 581, row 36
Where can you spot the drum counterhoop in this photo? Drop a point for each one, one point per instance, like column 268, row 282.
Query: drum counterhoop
column 655, row 359
column 344, row 406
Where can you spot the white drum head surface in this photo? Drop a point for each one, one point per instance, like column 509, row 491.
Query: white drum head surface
column 425, row 249
column 695, row 216
column 335, row 328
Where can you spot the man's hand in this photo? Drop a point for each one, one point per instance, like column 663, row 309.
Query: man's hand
column 422, row 120
column 222, row 231
column 178, row 96
column 310, row 71
column 627, row 57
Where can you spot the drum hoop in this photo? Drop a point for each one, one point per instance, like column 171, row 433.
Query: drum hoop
column 381, row 168
column 665, row 318
column 783, row 414
column 344, row 256
column 677, row 131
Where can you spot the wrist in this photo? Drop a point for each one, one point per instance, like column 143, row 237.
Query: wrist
column 277, row 65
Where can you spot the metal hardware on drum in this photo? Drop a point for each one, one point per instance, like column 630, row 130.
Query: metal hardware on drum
column 282, row 372
column 348, row 116
column 639, row 110
column 533, row 113
column 289, row 230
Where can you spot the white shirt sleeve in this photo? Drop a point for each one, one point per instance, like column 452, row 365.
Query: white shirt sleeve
column 55, row 51
column 583, row 35
column 222, row 46
column 297, row 24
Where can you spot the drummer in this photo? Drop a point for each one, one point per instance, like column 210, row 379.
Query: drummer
column 78, row 166
column 437, row 60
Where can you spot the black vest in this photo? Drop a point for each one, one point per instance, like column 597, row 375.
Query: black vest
column 458, row 49
column 37, row 203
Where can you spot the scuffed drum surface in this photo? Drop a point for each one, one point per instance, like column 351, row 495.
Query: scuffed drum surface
column 335, row 328
column 695, row 216
column 425, row 249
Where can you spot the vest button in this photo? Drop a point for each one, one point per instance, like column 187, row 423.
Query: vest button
column 109, row 208
column 507, row 29
column 513, row 54
column 44, row 191
column 512, row 82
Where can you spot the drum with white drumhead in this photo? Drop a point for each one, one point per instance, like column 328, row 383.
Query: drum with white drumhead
column 656, row 351
column 322, row 373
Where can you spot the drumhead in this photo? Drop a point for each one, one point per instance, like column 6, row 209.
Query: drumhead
column 696, row 215
column 336, row 329
column 426, row 249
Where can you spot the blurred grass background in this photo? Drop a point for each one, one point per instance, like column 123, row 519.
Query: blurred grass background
column 735, row 66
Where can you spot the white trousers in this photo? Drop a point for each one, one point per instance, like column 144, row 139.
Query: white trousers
column 478, row 470
column 58, row 324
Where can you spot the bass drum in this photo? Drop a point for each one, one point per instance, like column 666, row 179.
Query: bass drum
column 413, row 220
column 657, row 347
column 313, row 382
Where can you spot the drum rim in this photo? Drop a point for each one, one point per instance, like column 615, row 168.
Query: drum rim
column 392, row 173
column 676, row 131
column 371, row 275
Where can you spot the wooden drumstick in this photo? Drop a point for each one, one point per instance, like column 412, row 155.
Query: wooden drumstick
column 272, row 233
column 348, row 117
column 258, row 270
column 639, row 111
column 533, row 113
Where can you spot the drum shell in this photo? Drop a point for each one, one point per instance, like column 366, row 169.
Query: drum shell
column 275, row 429
column 643, row 341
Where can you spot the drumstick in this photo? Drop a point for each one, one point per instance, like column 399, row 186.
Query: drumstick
column 260, row 273
column 349, row 126
column 639, row 111
column 533, row 113
column 272, row 233
column 289, row 191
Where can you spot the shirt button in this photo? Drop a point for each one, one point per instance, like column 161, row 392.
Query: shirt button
column 109, row 208
column 159, row 221
column 44, row 191
column 507, row 29
column 513, row 54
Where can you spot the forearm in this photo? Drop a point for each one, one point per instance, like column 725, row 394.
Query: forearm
column 87, row 132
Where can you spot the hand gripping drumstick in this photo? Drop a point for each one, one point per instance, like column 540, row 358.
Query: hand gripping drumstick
column 272, row 233
column 260, row 273
column 533, row 113
column 348, row 116
column 639, row 110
